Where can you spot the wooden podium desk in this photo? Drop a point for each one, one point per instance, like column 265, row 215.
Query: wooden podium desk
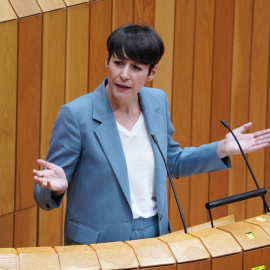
column 255, row 243
column 240, row 245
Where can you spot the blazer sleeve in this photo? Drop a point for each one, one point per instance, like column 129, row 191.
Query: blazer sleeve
column 192, row 160
column 64, row 151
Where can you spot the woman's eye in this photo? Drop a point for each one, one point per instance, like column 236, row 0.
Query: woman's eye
column 118, row 63
column 137, row 67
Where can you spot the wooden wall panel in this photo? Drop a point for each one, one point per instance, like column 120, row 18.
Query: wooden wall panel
column 144, row 13
column 201, row 102
column 240, row 96
column 6, row 230
column 53, row 97
column 164, row 25
column 258, row 94
column 221, row 91
column 8, row 85
column 182, row 97
column 28, row 94
column 25, row 229
column 77, row 51
column 100, row 18
column 120, row 7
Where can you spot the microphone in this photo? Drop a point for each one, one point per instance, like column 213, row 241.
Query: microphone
column 266, row 209
column 169, row 175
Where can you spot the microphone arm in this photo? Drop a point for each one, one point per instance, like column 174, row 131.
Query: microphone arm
column 239, row 197
column 266, row 209
column 169, row 175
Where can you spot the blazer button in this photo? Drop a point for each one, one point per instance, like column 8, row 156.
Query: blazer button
column 47, row 206
column 160, row 217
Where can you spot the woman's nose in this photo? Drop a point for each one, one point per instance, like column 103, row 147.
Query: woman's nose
column 125, row 73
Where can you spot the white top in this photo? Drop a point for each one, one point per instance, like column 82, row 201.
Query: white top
column 141, row 168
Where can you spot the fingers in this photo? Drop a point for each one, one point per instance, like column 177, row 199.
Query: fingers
column 40, row 178
column 243, row 128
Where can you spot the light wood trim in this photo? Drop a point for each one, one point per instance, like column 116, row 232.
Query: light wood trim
column 38, row 258
column 218, row 243
column 158, row 253
column 50, row 5
column 25, row 8
column 185, row 247
column 6, row 13
column 83, row 256
column 70, row 3
column 115, row 255
column 240, row 229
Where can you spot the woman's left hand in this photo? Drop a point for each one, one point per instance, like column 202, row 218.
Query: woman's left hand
column 249, row 142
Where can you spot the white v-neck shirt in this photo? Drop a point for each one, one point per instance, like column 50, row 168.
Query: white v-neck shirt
column 141, row 168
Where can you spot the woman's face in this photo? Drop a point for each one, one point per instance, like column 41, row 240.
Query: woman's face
column 126, row 78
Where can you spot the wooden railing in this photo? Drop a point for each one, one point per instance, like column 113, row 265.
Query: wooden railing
column 234, row 246
column 216, row 66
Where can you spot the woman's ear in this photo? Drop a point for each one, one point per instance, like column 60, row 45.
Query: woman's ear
column 152, row 74
column 106, row 60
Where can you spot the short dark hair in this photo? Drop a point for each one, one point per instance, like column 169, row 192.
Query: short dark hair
column 139, row 43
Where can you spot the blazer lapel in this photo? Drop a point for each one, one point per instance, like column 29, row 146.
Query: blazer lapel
column 154, row 122
column 108, row 136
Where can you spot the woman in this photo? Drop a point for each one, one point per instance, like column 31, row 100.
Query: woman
column 101, row 152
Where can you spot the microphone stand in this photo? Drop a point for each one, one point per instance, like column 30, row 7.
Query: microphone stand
column 172, row 185
column 243, row 196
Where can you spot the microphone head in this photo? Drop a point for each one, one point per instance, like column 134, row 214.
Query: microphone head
column 224, row 123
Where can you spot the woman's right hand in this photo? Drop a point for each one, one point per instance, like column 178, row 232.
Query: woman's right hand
column 54, row 178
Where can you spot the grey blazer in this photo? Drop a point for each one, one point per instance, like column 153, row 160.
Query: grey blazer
column 85, row 142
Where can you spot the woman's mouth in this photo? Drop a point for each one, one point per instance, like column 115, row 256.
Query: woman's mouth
column 122, row 87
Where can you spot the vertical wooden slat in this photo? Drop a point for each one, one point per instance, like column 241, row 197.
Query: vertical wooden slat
column 120, row 7
column 100, row 18
column 53, row 97
column 6, row 230
column 221, row 92
column 240, row 97
column 28, row 133
column 164, row 25
column 144, row 13
column 258, row 94
column 201, row 102
column 77, row 51
column 8, row 84
column 182, row 97
column 25, row 232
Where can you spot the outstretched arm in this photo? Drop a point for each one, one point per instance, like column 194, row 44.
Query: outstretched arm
column 54, row 178
column 249, row 142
